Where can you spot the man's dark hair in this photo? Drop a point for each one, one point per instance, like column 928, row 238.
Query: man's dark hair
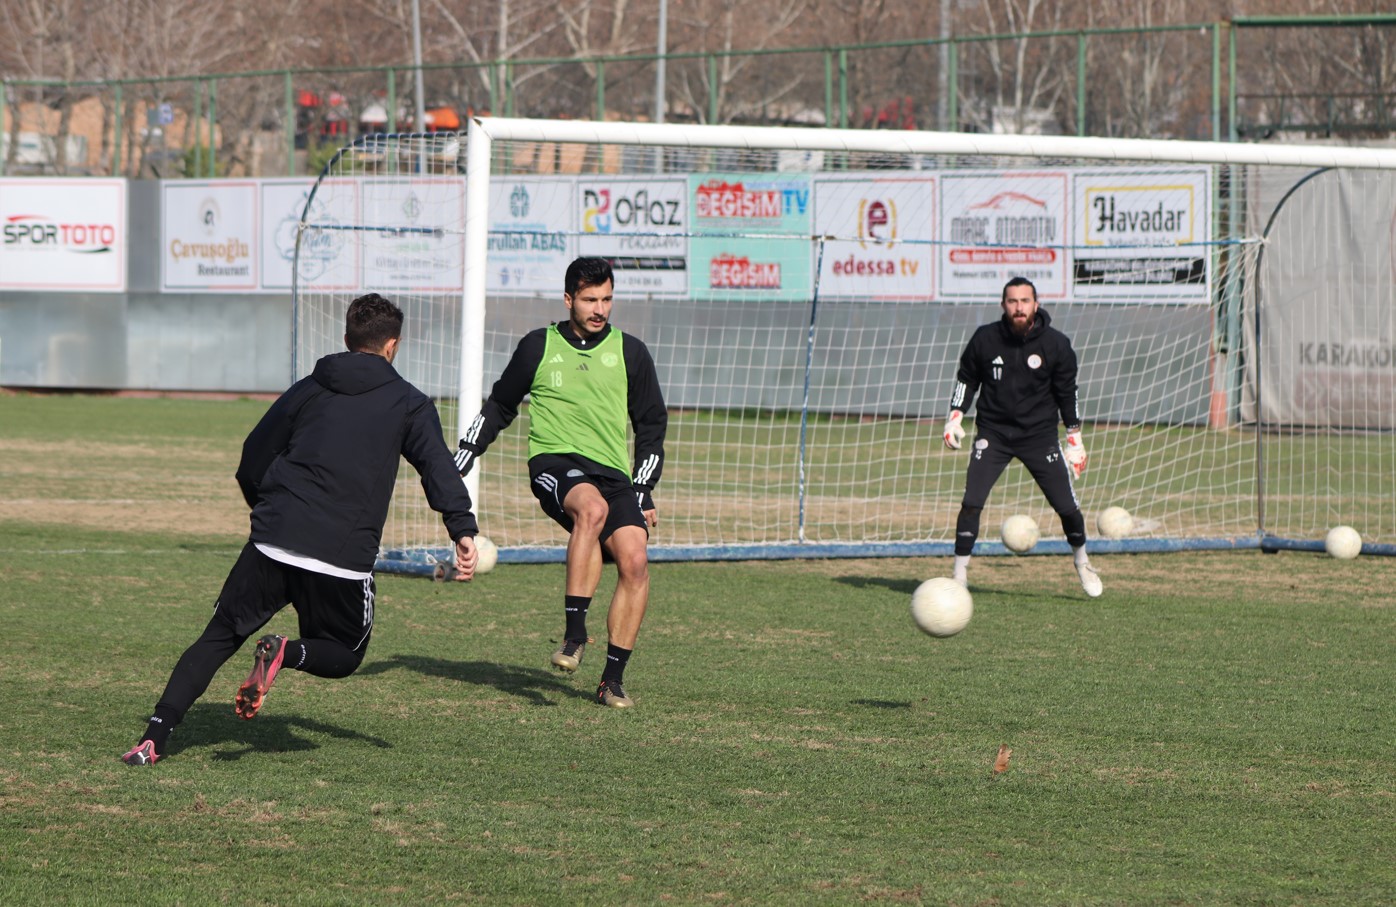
column 1018, row 282
column 587, row 272
column 371, row 321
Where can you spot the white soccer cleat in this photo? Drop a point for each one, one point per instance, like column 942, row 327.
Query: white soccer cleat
column 1090, row 580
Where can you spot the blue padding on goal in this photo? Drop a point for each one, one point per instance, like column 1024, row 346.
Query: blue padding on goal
column 1274, row 543
column 419, row 562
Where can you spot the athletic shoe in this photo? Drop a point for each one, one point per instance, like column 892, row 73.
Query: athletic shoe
column 1090, row 580
column 612, row 694
column 266, row 661
column 142, row 753
column 569, row 657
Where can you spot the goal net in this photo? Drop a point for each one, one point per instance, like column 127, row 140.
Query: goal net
column 806, row 295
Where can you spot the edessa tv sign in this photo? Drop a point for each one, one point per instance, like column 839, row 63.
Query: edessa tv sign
column 63, row 235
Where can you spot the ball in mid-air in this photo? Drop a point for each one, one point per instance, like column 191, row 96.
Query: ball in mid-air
column 1019, row 533
column 941, row 606
column 1343, row 542
column 489, row 554
column 1114, row 523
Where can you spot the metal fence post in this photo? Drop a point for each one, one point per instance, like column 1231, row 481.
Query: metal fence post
column 192, row 125
column 1081, row 83
column 212, row 125
column 290, row 126
column 118, row 132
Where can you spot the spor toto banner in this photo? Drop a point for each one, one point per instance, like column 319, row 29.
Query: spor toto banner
column 208, row 236
column 63, row 234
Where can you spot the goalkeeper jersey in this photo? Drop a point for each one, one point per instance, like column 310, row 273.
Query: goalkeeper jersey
column 1025, row 384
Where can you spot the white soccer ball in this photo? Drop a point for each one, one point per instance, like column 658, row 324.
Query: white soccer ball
column 1343, row 542
column 941, row 606
column 489, row 554
column 1019, row 533
column 1114, row 523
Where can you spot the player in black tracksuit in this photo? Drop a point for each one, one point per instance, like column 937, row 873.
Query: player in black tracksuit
column 1024, row 372
column 318, row 471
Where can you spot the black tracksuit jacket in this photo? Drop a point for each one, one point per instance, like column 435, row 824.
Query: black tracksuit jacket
column 1024, row 383
column 319, row 469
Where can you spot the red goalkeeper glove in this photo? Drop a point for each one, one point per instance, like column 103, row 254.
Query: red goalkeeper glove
column 954, row 432
column 1075, row 452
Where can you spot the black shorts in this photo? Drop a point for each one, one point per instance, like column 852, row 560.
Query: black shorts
column 551, row 486
column 328, row 607
column 1043, row 458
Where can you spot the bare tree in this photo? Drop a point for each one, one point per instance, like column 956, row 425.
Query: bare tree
column 739, row 84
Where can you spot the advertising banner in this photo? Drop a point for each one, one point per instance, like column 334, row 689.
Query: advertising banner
column 640, row 226
column 738, row 250
column 1118, row 212
column 329, row 254
column 412, row 234
column 882, row 230
column 983, row 219
column 208, row 236
column 63, row 234
column 530, row 242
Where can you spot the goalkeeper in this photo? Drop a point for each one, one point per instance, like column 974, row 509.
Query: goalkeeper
column 1024, row 371
column 586, row 380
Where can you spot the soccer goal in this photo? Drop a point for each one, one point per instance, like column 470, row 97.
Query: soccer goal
column 807, row 292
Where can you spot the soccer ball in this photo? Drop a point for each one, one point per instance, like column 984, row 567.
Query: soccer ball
column 941, row 606
column 489, row 554
column 1343, row 542
column 1019, row 533
column 1114, row 523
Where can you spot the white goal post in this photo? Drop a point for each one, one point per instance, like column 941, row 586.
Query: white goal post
column 806, row 294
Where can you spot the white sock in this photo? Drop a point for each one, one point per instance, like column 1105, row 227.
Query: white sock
column 961, row 569
column 1079, row 556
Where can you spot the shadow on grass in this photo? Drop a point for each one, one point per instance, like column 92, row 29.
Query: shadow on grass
column 210, row 724
column 537, row 686
column 883, row 703
column 903, row 586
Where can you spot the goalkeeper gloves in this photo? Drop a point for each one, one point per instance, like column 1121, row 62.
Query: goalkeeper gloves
column 954, row 432
column 1075, row 452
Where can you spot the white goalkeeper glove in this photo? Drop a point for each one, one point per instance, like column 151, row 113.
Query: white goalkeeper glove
column 1075, row 452
column 954, row 432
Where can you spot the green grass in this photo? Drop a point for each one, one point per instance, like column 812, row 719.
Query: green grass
column 1216, row 729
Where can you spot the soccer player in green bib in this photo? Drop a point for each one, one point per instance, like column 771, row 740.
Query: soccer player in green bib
column 587, row 381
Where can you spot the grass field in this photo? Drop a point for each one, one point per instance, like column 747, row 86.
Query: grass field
column 1216, row 729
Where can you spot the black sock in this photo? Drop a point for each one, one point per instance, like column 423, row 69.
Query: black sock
column 159, row 728
column 616, row 657
column 575, row 610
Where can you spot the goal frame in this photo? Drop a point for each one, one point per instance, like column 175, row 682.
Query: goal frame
column 483, row 132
